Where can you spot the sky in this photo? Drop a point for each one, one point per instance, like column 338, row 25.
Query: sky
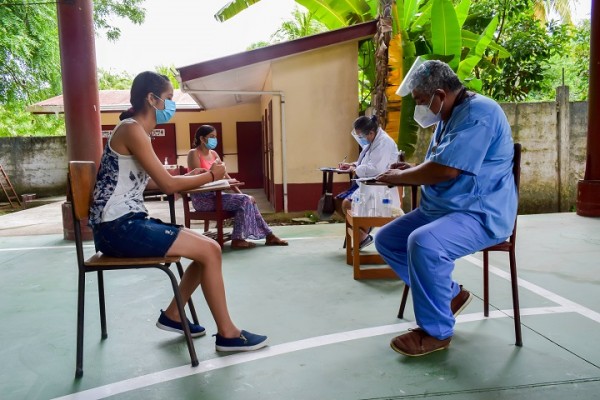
column 184, row 32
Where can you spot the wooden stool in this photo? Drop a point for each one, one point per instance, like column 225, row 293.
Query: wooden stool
column 353, row 256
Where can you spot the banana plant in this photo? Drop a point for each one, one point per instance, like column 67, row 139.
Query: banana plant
column 334, row 14
column 432, row 29
column 428, row 28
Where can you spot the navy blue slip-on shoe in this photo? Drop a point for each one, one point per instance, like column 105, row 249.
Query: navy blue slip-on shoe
column 246, row 342
column 365, row 242
column 168, row 324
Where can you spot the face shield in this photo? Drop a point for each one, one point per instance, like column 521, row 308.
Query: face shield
column 406, row 86
column 361, row 140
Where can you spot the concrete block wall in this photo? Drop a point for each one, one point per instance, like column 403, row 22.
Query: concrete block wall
column 35, row 164
column 553, row 135
column 554, row 139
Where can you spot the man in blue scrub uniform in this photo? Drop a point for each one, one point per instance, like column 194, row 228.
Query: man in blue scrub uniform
column 468, row 201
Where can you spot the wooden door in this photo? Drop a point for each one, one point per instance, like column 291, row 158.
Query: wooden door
column 249, row 145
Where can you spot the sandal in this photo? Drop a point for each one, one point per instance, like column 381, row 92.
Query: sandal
column 242, row 244
column 275, row 241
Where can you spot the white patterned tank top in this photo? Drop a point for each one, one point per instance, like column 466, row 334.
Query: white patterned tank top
column 120, row 185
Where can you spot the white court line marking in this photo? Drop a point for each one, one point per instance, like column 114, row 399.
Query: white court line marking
column 284, row 348
column 140, row 382
column 91, row 245
column 586, row 312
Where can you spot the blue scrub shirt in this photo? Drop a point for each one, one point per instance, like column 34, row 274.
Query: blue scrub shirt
column 477, row 140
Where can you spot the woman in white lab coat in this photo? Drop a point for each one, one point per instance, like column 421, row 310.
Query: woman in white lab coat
column 379, row 151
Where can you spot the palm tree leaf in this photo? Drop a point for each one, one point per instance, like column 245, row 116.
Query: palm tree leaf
column 423, row 19
column 337, row 14
column 410, row 10
column 466, row 66
column 445, row 31
column 470, row 40
column 462, row 11
column 233, row 8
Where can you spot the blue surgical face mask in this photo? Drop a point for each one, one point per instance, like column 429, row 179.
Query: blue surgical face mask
column 211, row 143
column 163, row 116
column 363, row 141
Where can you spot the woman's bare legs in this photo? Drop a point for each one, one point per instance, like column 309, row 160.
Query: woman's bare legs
column 204, row 270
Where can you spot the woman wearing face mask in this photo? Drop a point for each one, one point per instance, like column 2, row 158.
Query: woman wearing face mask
column 120, row 221
column 379, row 151
column 248, row 222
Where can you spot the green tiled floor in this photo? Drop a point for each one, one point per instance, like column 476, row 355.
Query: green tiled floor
column 329, row 334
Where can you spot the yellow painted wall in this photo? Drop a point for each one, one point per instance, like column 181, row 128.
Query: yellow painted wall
column 228, row 118
column 321, row 103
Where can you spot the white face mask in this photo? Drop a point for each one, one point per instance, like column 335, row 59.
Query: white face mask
column 425, row 117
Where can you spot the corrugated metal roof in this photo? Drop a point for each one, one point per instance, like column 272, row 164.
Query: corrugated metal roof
column 110, row 101
column 239, row 78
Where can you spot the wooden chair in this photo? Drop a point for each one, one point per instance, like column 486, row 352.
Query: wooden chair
column 218, row 215
column 507, row 246
column 81, row 180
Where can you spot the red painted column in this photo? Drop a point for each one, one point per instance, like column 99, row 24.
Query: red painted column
column 80, row 84
column 588, row 188
column 80, row 90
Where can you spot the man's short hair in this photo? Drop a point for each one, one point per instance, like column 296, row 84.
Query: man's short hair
column 432, row 75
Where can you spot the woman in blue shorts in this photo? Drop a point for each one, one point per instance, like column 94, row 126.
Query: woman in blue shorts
column 120, row 220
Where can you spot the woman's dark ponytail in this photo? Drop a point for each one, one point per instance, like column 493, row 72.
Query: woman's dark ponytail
column 130, row 112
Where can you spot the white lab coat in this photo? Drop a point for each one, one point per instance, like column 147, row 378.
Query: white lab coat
column 375, row 159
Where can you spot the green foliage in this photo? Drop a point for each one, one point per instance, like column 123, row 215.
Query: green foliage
column 30, row 59
column 569, row 66
column 258, row 45
column 105, row 9
column 114, row 80
column 366, row 73
column 15, row 121
column 168, row 72
column 530, row 47
column 233, row 8
column 538, row 50
column 29, row 53
column 300, row 25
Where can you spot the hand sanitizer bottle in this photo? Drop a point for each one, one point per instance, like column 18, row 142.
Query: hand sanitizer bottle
column 386, row 203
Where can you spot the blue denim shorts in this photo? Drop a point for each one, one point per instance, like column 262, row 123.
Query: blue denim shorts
column 135, row 235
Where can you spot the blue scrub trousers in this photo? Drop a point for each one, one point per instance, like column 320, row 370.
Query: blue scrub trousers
column 422, row 250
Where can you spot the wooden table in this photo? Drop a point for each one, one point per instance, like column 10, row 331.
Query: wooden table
column 354, row 224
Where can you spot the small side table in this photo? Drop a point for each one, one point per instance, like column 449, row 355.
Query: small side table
column 353, row 256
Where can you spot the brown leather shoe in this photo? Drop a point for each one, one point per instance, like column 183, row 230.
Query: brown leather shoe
column 417, row 342
column 460, row 301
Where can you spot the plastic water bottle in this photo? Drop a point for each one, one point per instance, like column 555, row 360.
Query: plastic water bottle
column 371, row 204
column 386, row 203
column 356, row 203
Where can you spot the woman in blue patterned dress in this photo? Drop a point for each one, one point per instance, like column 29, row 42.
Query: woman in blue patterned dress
column 248, row 223
column 120, row 220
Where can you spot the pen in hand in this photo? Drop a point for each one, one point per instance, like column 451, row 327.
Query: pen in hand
column 341, row 165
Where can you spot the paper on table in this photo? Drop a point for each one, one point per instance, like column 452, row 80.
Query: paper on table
column 332, row 169
column 371, row 179
column 221, row 183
